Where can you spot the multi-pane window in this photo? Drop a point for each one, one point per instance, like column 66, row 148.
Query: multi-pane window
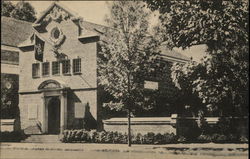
column 35, row 70
column 66, row 66
column 77, row 65
column 45, row 69
column 55, row 68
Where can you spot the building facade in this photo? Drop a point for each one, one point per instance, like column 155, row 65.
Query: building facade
column 13, row 32
column 58, row 73
column 58, row 86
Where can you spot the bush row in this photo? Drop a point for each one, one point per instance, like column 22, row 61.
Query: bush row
column 116, row 137
column 218, row 138
column 84, row 136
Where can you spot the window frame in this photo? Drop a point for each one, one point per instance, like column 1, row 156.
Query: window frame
column 77, row 66
column 48, row 69
column 53, row 68
column 63, row 67
column 38, row 70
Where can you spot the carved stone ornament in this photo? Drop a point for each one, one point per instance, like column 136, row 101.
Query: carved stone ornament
column 56, row 14
column 57, row 36
column 8, row 85
column 49, row 84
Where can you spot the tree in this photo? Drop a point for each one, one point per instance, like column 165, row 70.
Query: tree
column 221, row 80
column 22, row 11
column 7, row 8
column 126, row 55
column 9, row 96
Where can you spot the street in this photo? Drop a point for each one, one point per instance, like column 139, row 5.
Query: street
column 53, row 154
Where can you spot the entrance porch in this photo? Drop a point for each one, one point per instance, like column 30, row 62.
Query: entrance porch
column 54, row 108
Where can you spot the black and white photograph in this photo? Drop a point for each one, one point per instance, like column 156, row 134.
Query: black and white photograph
column 124, row 79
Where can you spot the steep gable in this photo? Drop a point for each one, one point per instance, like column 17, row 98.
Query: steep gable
column 57, row 11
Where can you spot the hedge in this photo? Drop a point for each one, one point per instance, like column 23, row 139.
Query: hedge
column 83, row 136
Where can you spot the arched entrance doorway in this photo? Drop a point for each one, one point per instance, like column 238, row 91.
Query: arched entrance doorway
column 54, row 109
column 54, row 115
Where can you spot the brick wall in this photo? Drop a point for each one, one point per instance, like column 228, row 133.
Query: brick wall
column 83, row 87
column 30, row 125
column 183, row 126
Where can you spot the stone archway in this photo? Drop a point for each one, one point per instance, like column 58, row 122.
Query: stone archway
column 54, row 96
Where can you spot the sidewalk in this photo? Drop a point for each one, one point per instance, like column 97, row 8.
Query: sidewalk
column 193, row 149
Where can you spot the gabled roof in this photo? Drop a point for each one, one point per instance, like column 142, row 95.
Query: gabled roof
column 13, row 31
column 89, row 29
column 44, row 13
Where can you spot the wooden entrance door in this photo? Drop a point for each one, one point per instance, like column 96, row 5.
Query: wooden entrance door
column 54, row 115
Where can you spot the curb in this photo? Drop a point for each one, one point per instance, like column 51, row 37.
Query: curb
column 217, row 151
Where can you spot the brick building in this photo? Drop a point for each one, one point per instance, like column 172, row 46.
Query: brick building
column 13, row 32
column 58, row 86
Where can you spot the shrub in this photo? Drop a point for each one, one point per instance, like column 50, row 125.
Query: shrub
column 137, row 139
column 219, row 138
column 181, row 139
column 169, row 138
column 149, row 138
column 101, row 137
column 243, row 139
column 93, row 136
column 158, row 139
column 122, row 138
column 204, row 138
column 109, row 137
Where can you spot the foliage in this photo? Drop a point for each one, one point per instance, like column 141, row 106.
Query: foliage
column 22, row 11
column 181, row 139
column 9, row 96
column 115, row 137
column 93, row 136
column 7, row 8
column 221, row 79
column 201, row 122
column 126, row 53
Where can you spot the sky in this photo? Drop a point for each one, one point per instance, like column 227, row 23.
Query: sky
column 95, row 11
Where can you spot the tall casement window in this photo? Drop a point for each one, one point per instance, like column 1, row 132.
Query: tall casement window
column 35, row 70
column 45, row 69
column 76, row 66
column 55, row 68
column 66, row 67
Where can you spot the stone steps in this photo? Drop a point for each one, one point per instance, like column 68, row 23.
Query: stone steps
column 42, row 139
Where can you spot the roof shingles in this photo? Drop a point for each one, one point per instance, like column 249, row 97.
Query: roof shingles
column 14, row 31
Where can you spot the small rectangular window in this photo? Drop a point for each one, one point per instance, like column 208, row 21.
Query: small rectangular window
column 55, row 68
column 45, row 69
column 66, row 66
column 80, row 110
column 76, row 65
column 151, row 85
column 35, row 70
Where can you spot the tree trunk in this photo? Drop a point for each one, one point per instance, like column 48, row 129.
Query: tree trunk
column 129, row 128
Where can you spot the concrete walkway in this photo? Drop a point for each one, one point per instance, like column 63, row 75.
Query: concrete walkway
column 193, row 149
